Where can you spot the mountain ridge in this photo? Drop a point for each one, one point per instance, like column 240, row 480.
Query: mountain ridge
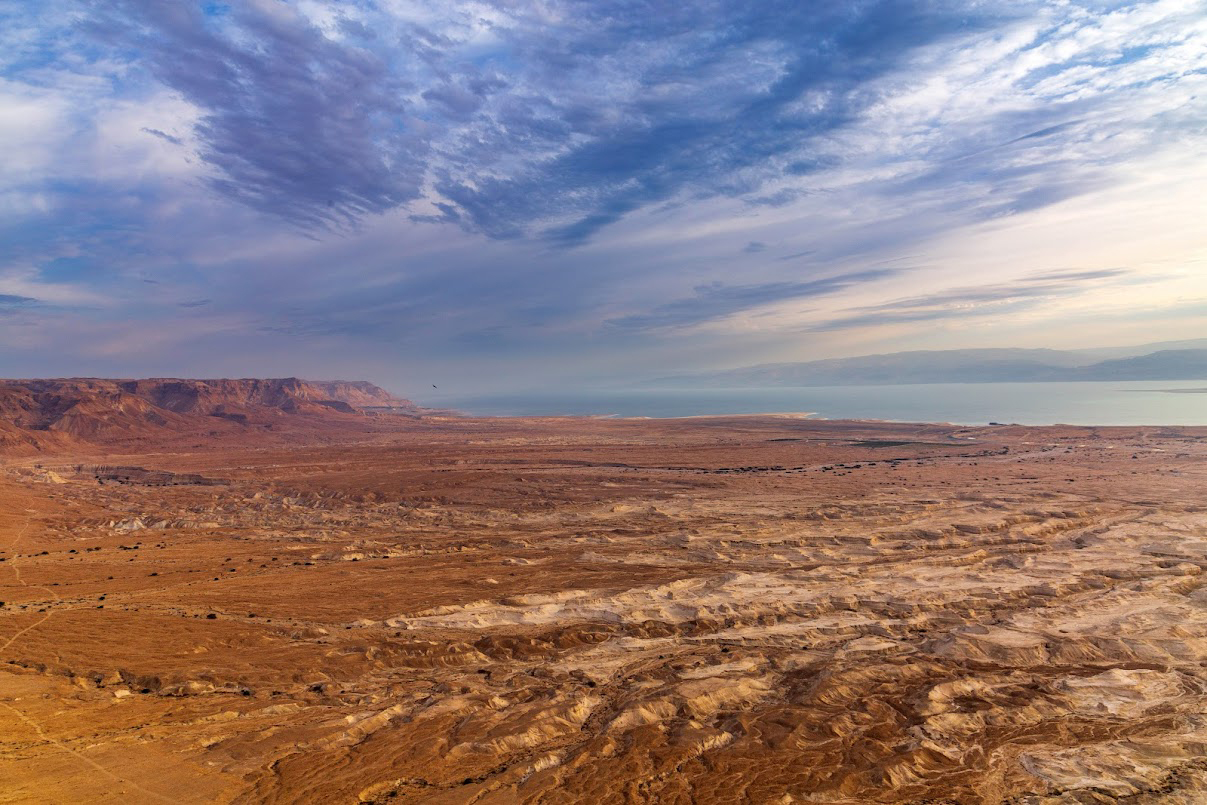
column 993, row 365
column 39, row 414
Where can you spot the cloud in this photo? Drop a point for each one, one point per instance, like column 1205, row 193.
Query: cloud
column 716, row 301
column 563, row 120
column 888, row 317
column 463, row 176
column 1080, row 276
column 797, row 255
column 293, row 123
column 1046, row 132
column 974, row 301
column 8, row 300
column 163, row 136
column 682, row 125
column 526, row 125
column 780, row 198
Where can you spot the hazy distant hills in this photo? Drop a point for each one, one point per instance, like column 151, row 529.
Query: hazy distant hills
column 1182, row 360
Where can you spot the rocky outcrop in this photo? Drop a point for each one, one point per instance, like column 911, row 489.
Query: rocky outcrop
column 39, row 413
column 287, row 394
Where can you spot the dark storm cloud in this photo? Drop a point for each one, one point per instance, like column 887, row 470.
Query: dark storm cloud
column 716, row 301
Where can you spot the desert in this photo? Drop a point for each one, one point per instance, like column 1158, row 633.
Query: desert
column 371, row 602
column 603, row 402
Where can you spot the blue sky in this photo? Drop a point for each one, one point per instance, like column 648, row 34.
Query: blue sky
column 490, row 195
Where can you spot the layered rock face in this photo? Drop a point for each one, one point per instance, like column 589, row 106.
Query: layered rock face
column 754, row 610
column 287, row 394
column 39, row 413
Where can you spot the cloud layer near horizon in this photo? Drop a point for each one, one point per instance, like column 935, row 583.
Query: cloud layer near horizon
column 592, row 187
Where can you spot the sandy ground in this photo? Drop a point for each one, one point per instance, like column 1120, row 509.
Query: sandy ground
column 763, row 610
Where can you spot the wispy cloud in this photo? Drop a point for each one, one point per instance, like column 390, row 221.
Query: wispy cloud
column 465, row 177
column 163, row 135
column 8, row 300
column 293, row 122
column 325, row 126
column 716, row 300
column 981, row 300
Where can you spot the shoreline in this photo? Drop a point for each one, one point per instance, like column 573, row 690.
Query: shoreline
column 812, row 417
column 973, row 404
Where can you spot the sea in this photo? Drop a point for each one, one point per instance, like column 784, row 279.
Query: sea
column 1085, row 403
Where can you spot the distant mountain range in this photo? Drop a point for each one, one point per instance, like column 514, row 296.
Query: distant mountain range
column 1177, row 360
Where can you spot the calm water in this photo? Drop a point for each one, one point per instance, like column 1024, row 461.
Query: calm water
column 1109, row 403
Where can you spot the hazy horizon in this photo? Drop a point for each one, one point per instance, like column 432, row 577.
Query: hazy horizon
column 481, row 196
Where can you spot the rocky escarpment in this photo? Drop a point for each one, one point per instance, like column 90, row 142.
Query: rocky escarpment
column 35, row 414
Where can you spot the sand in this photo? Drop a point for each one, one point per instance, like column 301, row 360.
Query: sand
column 754, row 609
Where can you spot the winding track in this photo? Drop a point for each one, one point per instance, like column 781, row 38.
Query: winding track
column 17, row 572
column 31, row 723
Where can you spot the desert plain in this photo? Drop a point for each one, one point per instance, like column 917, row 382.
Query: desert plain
column 442, row 609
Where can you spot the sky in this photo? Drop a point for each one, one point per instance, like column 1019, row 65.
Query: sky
column 502, row 195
